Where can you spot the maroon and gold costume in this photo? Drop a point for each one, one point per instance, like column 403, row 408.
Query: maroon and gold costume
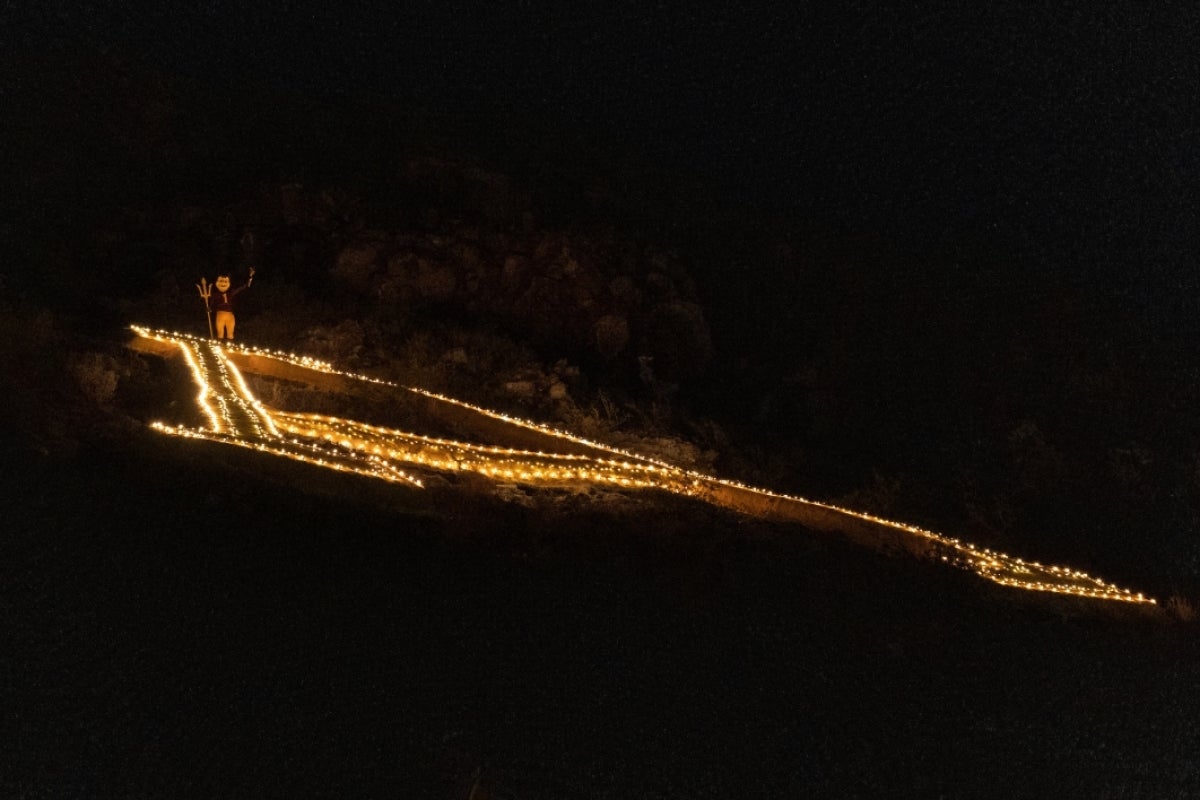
column 222, row 304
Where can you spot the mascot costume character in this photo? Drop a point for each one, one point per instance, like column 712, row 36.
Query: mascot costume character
column 218, row 300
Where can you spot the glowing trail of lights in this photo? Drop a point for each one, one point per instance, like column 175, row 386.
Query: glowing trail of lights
column 235, row 416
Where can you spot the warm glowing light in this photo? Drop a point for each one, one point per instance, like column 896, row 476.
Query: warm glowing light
column 237, row 417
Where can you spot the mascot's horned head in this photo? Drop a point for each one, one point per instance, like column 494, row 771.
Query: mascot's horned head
column 222, row 283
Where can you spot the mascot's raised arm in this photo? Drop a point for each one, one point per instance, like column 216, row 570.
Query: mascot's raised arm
column 218, row 302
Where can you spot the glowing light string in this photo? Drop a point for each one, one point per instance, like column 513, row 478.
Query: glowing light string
column 237, row 417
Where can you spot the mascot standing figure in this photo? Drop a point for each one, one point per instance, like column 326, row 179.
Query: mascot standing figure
column 218, row 300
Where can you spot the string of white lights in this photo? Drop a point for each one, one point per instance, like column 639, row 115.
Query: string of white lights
column 304, row 452
column 354, row 446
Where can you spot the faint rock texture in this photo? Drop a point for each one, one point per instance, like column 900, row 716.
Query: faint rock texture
column 96, row 375
column 434, row 282
column 342, row 343
column 457, row 356
column 474, row 253
column 526, row 390
column 611, row 335
column 356, row 265
column 453, row 241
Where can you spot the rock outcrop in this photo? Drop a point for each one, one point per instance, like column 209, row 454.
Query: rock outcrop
column 581, row 293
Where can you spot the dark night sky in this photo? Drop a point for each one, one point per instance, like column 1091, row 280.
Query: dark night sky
column 1065, row 137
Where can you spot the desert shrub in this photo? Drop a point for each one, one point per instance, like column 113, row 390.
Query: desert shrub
column 597, row 420
column 1180, row 607
column 96, row 375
